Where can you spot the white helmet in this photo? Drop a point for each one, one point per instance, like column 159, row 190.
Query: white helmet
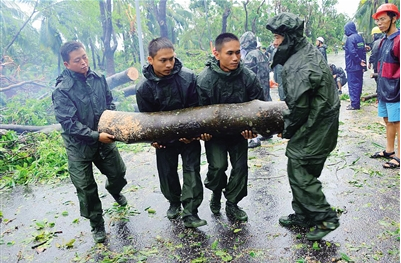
column 320, row 39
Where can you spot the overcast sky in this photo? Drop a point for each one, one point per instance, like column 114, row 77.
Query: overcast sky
column 348, row 7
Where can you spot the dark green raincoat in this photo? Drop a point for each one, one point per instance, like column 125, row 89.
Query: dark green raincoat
column 176, row 91
column 216, row 86
column 311, row 121
column 256, row 61
column 79, row 102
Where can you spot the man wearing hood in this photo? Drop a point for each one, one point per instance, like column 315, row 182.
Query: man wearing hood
column 170, row 86
column 310, row 123
column 355, row 63
column 256, row 61
column 224, row 80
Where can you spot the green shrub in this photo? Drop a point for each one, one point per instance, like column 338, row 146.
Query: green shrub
column 28, row 111
column 31, row 158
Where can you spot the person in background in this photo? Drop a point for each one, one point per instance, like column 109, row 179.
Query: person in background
column 80, row 98
column 377, row 35
column 339, row 77
column 277, row 77
column 256, row 61
column 322, row 47
column 167, row 86
column 310, row 123
column 388, row 88
column 336, row 49
column 225, row 79
column 269, row 51
column 355, row 63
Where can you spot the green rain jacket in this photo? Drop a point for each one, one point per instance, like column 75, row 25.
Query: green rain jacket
column 173, row 92
column 176, row 91
column 311, row 121
column 79, row 102
column 216, row 86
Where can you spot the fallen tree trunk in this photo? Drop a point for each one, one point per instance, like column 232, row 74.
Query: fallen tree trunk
column 123, row 77
column 368, row 97
column 18, row 85
column 129, row 91
column 262, row 117
column 29, row 128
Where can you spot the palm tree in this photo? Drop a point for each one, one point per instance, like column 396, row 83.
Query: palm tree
column 366, row 9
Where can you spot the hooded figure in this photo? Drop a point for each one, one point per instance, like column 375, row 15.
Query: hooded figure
column 311, row 123
column 256, row 61
column 355, row 62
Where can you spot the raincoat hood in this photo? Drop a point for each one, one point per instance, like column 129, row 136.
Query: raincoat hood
column 350, row 29
column 214, row 65
column 150, row 74
column 248, row 41
column 291, row 27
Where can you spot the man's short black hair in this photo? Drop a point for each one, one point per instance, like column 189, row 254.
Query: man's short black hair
column 223, row 38
column 157, row 44
column 68, row 47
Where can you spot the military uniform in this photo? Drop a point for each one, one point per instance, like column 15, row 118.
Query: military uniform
column 311, row 121
column 176, row 91
column 216, row 86
column 79, row 102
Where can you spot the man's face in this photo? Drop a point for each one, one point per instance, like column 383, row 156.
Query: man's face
column 163, row 62
column 317, row 43
column 78, row 61
column 278, row 39
column 229, row 56
column 383, row 21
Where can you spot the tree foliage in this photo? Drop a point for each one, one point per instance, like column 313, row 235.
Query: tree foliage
column 33, row 31
column 366, row 9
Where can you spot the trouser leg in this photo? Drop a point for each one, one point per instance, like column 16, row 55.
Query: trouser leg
column 309, row 200
column 237, row 185
column 355, row 80
column 113, row 167
column 216, row 154
column 167, row 163
column 81, row 174
column 192, row 189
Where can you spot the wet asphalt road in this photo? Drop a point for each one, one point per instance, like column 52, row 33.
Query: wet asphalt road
column 365, row 193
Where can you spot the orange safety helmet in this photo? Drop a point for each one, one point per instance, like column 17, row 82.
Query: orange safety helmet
column 386, row 8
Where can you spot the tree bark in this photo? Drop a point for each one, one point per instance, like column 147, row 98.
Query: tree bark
column 162, row 18
column 130, row 90
column 123, row 77
column 226, row 14
column 18, row 85
column 245, row 4
column 109, row 38
column 262, row 117
column 368, row 97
